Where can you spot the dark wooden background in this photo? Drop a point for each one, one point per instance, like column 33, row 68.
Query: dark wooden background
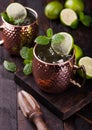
column 11, row 117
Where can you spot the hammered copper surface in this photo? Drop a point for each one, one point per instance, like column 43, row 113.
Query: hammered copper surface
column 53, row 78
column 15, row 37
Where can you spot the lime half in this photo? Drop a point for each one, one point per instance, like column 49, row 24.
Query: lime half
column 78, row 52
column 69, row 18
column 87, row 62
column 16, row 11
column 65, row 47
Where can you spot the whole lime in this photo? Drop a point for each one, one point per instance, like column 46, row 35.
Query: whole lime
column 52, row 9
column 76, row 5
column 78, row 52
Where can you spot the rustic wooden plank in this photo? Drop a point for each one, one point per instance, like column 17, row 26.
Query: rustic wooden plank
column 86, row 113
column 8, row 116
column 82, row 120
column 63, row 105
column 77, row 123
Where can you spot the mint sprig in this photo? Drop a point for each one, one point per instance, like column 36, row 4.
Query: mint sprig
column 49, row 38
column 11, row 19
column 6, row 18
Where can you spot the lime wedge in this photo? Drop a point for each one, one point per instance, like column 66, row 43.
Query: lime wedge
column 65, row 46
column 87, row 62
column 69, row 18
column 16, row 11
column 78, row 52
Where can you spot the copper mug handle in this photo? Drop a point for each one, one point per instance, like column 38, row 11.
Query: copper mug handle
column 1, row 29
column 75, row 67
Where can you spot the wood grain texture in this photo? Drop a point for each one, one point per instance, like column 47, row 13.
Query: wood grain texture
column 13, row 119
column 64, row 104
column 8, row 117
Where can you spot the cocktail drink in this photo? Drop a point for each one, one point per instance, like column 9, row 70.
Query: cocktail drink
column 19, row 33
column 46, row 54
column 53, row 72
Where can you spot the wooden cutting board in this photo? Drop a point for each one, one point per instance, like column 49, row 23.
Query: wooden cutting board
column 63, row 105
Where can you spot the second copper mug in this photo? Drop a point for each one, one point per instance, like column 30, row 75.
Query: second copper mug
column 15, row 37
column 55, row 77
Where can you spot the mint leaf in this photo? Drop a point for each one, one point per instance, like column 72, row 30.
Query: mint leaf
column 57, row 38
column 11, row 19
column 6, row 18
column 26, row 53
column 43, row 40
column 27, row 61
column 85, row 19
column 27, row 69
column 10, row 66
column 23, row 52
column 18, row 21
column 4, row 15
column 49, row 33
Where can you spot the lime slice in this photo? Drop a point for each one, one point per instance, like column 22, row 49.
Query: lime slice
column 16, row 11
column 87, row 62
column 52, row 9
column 78, row 52
column 65, row 46
column 69, row 18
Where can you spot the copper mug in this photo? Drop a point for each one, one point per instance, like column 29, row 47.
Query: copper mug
column 55, row 77
column 15, row 37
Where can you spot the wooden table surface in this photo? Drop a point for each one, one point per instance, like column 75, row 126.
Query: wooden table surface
column 11, row 117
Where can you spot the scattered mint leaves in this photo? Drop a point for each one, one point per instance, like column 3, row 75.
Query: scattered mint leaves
column 27, row 54
column 49, row 38
column 85, row 19
column 10, row 66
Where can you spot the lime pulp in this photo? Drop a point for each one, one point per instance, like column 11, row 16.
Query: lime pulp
column 65, row 46
column 87, row 62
